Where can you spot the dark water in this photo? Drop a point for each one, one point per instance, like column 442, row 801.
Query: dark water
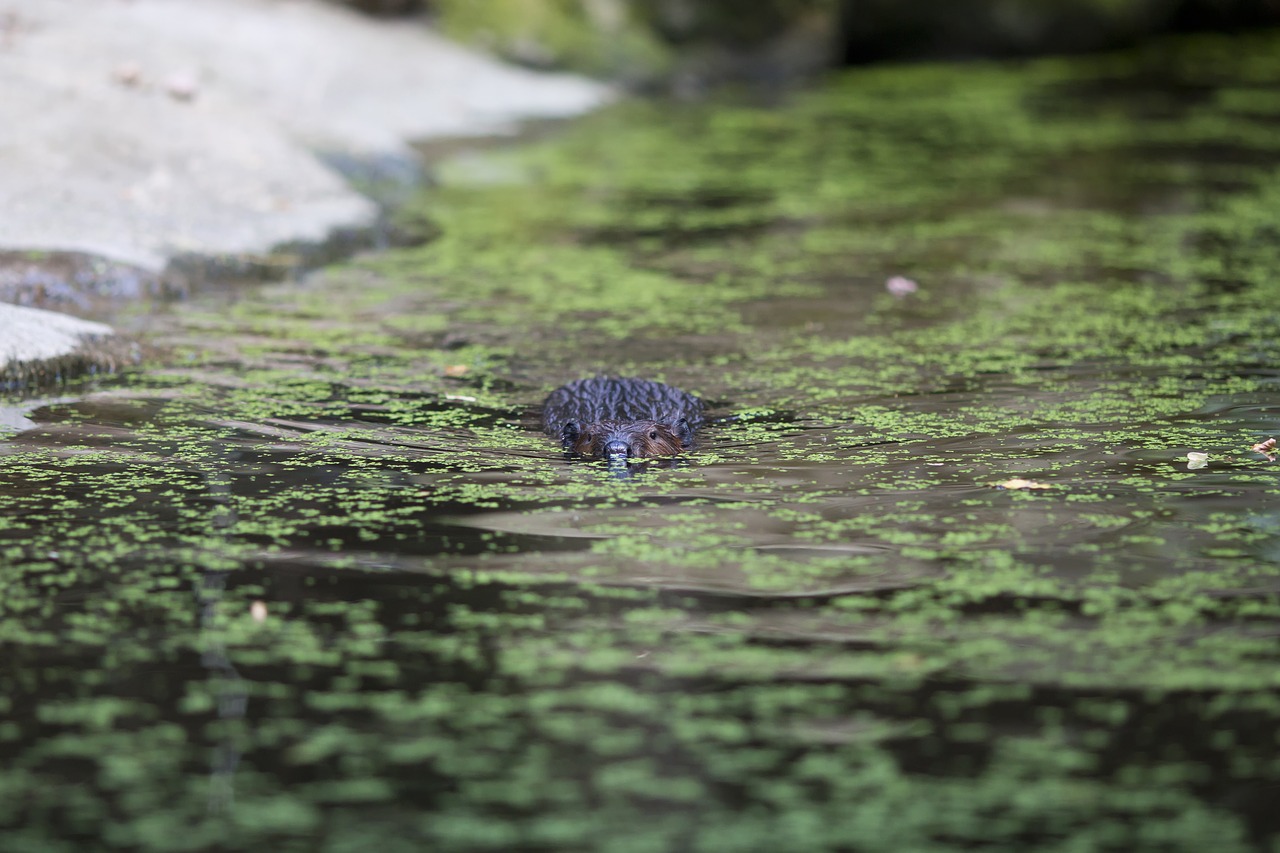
column 314, row 580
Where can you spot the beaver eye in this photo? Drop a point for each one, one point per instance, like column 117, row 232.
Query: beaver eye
column 653, row 433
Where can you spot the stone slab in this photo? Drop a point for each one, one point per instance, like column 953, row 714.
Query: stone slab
column 143, row 130
column 152, row 132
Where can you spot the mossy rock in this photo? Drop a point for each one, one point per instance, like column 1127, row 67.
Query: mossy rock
column 676, row 41
column 605, row 37
column 646, row 40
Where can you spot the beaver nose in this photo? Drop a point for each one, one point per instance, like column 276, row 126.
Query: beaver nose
column 617, row 447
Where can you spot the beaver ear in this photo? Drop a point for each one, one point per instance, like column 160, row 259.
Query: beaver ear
column 684, row 431
column 569, row 433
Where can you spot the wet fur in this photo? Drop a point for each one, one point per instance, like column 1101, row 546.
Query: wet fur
column 596, row 417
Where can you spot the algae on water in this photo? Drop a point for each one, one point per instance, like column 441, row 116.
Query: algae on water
column 824, row 629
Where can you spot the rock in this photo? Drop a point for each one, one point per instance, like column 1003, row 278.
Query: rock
column 79, row 283
column 685, row 45
column 682, row 45
column 151, row 130
column 385, row 7
column 32, row 333
column 174, row 139
column 38, row 346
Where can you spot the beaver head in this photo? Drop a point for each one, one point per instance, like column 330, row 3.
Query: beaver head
column 622, row 439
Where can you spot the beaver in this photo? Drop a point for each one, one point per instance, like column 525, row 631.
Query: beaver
column 620, row 418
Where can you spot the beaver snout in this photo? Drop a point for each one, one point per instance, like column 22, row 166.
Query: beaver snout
column 632, row 439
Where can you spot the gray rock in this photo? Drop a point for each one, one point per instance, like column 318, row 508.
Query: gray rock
column 147, row 130
column 154, row 132
column 40, row 347
column 34, row 333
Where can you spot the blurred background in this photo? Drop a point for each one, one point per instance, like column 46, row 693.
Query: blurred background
column 646, row 41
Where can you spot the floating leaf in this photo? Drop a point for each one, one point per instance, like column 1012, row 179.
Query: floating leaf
column 1019, row 483
column 900, row 285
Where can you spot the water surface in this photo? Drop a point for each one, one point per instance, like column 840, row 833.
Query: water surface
column 314, row 580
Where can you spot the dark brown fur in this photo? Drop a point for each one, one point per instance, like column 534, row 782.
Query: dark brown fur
column 612, row 417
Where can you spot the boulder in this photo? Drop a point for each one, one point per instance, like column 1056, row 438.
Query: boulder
column 211, row 134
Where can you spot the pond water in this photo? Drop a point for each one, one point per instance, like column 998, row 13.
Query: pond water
column 312, row 579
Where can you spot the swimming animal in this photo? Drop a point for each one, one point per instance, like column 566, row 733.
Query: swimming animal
column 617, row 418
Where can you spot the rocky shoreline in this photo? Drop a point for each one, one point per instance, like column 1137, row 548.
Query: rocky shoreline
column 159, row 139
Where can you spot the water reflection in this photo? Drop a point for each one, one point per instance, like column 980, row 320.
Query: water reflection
column 226, row 686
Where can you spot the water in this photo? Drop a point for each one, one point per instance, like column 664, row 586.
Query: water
column 314, row 579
